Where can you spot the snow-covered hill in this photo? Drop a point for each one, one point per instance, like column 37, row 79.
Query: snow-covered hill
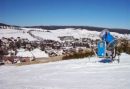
column 70, row 74
column 77, row 33
column 54, row 34
column 15, row 33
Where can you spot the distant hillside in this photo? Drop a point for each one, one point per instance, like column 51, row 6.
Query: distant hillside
column 3, row 24
column 122, row 31
column 91, row 28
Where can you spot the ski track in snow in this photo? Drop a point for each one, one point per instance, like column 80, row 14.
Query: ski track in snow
column 68, row 74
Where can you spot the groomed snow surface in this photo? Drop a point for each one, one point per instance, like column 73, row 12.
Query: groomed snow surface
column 84, row 73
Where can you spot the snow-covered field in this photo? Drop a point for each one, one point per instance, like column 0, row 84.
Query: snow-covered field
column 69, row 74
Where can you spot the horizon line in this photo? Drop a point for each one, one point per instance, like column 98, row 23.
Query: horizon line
column 67, row 25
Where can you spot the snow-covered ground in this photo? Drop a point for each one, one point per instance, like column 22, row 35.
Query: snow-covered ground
column 69, row 74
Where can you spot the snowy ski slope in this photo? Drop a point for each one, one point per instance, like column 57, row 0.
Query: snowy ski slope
column 69, row 74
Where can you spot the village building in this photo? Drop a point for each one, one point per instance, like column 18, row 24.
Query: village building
column 67, row 38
